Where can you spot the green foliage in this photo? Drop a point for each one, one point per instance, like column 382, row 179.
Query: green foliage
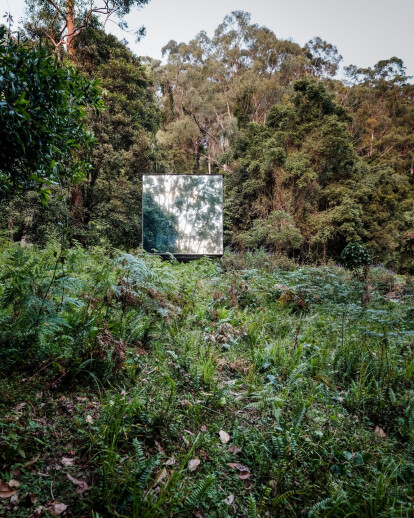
column 42, row 118
column 105, row 208
column 355, row 256
column 335, row 156
column 277, row 231
column 142, row 363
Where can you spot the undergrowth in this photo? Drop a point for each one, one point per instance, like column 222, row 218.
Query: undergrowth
column 132, row 369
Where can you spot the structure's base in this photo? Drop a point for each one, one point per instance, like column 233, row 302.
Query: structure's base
column 185, row 258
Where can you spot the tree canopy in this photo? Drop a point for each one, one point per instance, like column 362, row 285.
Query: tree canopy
column 62, row 21
column 326, row 162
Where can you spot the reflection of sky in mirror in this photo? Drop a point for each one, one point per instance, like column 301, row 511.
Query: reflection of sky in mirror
column 183, row 213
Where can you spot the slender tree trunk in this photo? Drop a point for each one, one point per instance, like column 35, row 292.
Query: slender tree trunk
column 371, row 145
column 366, row 299
column 70, row 25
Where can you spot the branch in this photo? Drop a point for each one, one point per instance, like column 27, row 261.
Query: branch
column 51, row 2
column 203, row 130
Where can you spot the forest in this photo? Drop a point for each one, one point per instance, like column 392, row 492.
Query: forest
column 275, row 381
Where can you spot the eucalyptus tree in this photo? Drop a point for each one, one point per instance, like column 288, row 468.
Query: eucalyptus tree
column 211, row 87
column 62, row 21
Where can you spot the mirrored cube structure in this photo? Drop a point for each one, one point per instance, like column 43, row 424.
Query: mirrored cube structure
column 182, row 215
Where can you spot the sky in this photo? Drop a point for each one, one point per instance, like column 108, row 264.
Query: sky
column 364, row 31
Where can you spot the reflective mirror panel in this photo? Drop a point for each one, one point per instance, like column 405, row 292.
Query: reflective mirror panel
column 183, row 214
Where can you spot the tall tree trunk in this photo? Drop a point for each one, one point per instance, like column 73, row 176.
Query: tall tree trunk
column 70, row 25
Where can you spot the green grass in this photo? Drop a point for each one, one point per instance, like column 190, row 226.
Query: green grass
column 131, row 367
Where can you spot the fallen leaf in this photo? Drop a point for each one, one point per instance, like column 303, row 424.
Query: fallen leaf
column 203, row 428
column 161, row 475
column 193, row 464
column 14, row 483
column 67, row 461
column 20, row 406
column 14, row 499
column 204, row 455
column 31, row 499
column 170, row 461
column 81, row 398
column 199, row 514
column 56, row 508
column 380, row 432
column 159, row 447
column 89, row 419
column 244, row 470
column 30, row 463
column 234, row 449
column 224, row 437
column 229, row 500
column 82, row 484
column 6, row 491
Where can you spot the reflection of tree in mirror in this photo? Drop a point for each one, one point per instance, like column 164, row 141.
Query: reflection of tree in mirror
column 196, row 202
column 161, row 226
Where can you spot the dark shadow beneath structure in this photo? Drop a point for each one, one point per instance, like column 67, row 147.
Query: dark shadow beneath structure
column 185, row 258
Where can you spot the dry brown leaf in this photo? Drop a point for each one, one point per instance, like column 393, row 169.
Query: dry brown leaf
column 89, row 419
column 20, row 406
column 185, row 402
column 170, row 461
column 30, row 463
column 38, row 511
column 14, row 483
column 6, row 491
column 204, row 455
column 244, row 475
column 31, row 499
column 82, row 484
column 161, row 475
column 67, row 461
column 240, row 467
column 14, row 499
column 203, row 428
column 224, row 437
column 56, row 508
column 234, row 449
column 229, row 500
column 159, row 447
column 380, row 432
column 81, row 398
column 193, row 464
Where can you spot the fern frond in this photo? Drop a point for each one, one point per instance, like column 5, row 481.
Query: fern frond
column 252, row 507
column 199, row 492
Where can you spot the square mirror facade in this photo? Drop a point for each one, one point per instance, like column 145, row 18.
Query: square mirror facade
column 182, row 214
